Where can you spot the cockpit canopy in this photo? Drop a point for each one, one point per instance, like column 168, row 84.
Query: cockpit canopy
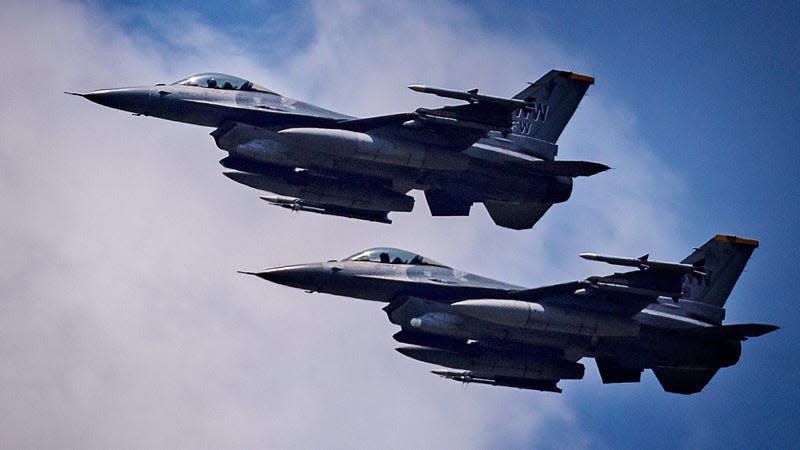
column 392, row 256
column 222, row 81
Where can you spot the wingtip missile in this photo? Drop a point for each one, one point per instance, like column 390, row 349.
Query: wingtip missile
column 296, row 204
column 643, row 263
column 463, row 377
column 276, row 199
column 471, row 96
column 520, row 383
column 446, row 93
column 622, row 261
column 418, row 88
column 287, row 202
column 591, row 256
column 442, row 373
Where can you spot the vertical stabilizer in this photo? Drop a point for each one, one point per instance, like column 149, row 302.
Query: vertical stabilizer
column 722, row 259
column 555, row 97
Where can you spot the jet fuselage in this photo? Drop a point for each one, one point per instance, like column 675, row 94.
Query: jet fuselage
column 664, row 316
column 363, row 168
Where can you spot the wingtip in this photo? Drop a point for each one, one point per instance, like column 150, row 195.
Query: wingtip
column 75, row 93
column 247, row 273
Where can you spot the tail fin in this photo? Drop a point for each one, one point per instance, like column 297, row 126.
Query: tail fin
column 722, row 259
column 555, row 96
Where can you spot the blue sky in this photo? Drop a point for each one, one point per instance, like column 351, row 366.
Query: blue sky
column 125, row 324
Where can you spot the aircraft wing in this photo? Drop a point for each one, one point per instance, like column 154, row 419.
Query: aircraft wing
column 544, row 292
column 621, row 294
column 320, row 193
column 457, row 126
column 528, row 368
column 267, row 116
column 529, row 122
column 478, row 114
column 371, row 123
column 476, row 353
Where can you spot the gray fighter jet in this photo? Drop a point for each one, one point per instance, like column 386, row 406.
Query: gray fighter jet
column 499, row 151
column 662, row 316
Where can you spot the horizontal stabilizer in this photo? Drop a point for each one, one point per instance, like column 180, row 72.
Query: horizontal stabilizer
column 748, row 329
column 522, row 144
column 568, row 168
column 740, row 331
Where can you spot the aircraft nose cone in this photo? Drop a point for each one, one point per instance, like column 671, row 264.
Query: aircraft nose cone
column 303, row 276
column 134, row 100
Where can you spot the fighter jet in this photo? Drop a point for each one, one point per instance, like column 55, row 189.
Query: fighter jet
column 498, row 151
column 662, row 316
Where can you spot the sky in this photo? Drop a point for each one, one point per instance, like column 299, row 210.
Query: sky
column 123, row 322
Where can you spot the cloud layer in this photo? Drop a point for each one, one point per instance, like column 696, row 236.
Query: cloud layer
column 123, row 321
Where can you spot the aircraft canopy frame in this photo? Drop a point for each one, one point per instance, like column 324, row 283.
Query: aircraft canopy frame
column 388, row 255
column 213, row 80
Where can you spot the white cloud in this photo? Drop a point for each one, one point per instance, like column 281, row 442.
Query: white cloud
column 123, row 321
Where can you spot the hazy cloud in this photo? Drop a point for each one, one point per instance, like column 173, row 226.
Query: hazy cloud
column 123, row 322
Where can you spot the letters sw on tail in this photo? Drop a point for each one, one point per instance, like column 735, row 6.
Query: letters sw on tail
column 663, row 316
column 492, row 150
